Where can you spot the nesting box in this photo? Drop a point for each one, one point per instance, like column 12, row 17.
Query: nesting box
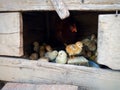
column 22, row 22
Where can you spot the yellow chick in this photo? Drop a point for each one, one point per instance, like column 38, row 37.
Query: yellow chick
column 74, row 49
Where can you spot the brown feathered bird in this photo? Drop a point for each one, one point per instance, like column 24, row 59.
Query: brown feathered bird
column 66, row 31
column 74, row 49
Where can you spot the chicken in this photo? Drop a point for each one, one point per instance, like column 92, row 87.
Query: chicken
column 33, row 56
column 90, row 47
column 74, row 49
column 62, row 57
column 51, row 55
column 93, row 38
column 90, row 43
column 48, row 48
column 86, row 41
column 66, row 31
column 42, row 51
column 78, row 61
column 36, row 46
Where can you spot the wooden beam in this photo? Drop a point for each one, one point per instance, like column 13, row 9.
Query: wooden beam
column 30, row 5
column 21, row 70
column 60, row 8
column 102, row 1
column 11, row 42
column 24, row 86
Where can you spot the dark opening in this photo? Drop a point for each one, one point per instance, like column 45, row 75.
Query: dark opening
column 45, row 27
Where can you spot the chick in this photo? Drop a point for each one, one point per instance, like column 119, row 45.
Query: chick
column 93, row 38
column 78, row 61
column 74, row 49
column 48, row 48
column 51, row 55
column 92, row 46
column 93, row 43
column 42, row 51
column 94, row 56
column 62, row 57
column 86, row 41
column 36, row 46
column 33, row 56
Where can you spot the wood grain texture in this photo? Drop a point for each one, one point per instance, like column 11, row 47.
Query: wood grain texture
column 60, row 8
column 21, row 70
column 11, row 42
column 23, row 86
column 28, row 5
column 108, row 41
column 102, row 1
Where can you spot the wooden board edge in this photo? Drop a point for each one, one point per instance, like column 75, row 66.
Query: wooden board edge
column 22, row 70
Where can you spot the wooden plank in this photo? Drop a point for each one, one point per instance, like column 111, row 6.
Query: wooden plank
column 60, row 8
column 24, row 86
column 108, row 41
column 11, row 42
column 102, row 1
column 28, row 5
column 21, row 70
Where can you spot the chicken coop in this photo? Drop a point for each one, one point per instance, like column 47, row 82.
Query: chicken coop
column 25, row 24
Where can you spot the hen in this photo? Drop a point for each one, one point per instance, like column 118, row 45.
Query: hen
column 74, row 49
column 66, row 31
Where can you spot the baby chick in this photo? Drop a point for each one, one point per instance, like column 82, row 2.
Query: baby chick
column 78, row 61
column 62, row 57
column 93, row 44
column 51, row 55
column 93, row 38
column 48, row 48
column 33, row 56
column 42, row 51
column 36, row 46
column 74, row 49
column 86, row 41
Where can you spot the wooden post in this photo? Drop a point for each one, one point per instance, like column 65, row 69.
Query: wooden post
column 11, row 34
column 60, row 8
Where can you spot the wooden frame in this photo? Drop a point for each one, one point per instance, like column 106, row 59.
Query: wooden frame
column 108, row 41
column 11, row 34
column 28, row 5
column 21, row 70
